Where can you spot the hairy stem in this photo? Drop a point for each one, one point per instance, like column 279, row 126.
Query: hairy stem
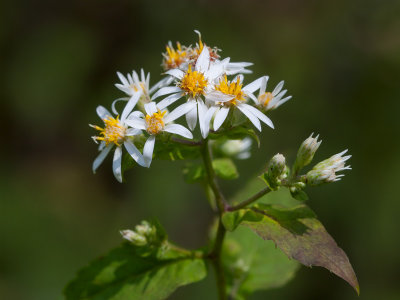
column 215, row 254
column 250, row 200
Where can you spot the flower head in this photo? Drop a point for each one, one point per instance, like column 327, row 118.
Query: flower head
column 193, row 83
column 115, row 133
column 172, row 58
column 270, row 100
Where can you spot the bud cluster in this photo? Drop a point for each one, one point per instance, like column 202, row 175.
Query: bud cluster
column 144, row 234
column 276, row 171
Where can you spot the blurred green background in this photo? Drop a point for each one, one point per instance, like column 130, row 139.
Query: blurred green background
column 340, row 60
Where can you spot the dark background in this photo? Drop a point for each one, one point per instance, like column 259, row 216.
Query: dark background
column 340, row 60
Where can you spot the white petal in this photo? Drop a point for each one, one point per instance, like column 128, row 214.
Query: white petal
column 133, row 131
column 191, row 116
column 178, row 129
column 215, row 71
column 176, row 73
column 150, row 108
column 130, row 105
column 253, row 119
column 203, row 61
column 148, row 150
column 278, row 88
column 202, row 109
column 220, row 117
column 135, row 77
column 258, row 114
column 179, row 111
column 165, row 91
column 142, row 76
column 122, row 78
column 135, row 153
column 163, row 82
column 283, row 101
column 100, row 158
column 169, row 100
column 117, row 164
column 101, row 145
column 102, row 112
column 253, row 86
column 218, row 96
column 136, row 122
column 240, row 64
column 263, row 85
column 252, row 97
column 113, row 109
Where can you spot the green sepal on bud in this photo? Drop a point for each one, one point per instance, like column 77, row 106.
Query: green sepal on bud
column 276, row 171
column 306, row 153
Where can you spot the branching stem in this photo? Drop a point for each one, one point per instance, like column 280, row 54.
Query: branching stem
column 250, row 200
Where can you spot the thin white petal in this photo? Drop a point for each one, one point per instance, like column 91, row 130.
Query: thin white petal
column 136, row 122
column 176, row 73
column 148, row 150
column 178, row 112
column 100, row 158
column 178, row 129
column 258, row 114
column 215, row 71
column 133, row 131
column 150, row 108
column 130, row 105
column 191, row 117
column 263, row 85
column 135, row 153
column 218, row 96
column 122, row 78
column 203, row 61
column 253, row 86
column 117, row 164
column 169, row 100
column 163, row 82
column 113, row 109
column 278, row 88
column 202, row 110
column 165, row 91
column 253, row 119
column 102, row 112
column 220, row 117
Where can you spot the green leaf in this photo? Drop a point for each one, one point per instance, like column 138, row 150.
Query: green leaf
column 298, row 233
column 236, row 133
column 126, row 274
column 252, row 264
column 225, row 168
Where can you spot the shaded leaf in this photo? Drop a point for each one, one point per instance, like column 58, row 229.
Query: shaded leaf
column 299, row 194
column 298, row 233
column 126, row 274
column 194, row 173
column 252, row 264
column 225, row 168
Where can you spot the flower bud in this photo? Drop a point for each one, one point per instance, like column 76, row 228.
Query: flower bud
column 133, row 237
column 306, row 153
column 276, row 171
column 145, row 229
column 325, row 171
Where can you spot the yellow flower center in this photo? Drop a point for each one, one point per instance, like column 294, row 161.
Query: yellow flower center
column 155, row 123
column 193, row 83
column 231, row 88
column 114, row 131
column 265, row 98
column 174, row 58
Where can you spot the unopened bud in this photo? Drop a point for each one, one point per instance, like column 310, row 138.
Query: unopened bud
column 306, row 153
column 277, row 166
column 144, row 229
column 133, row 237
column 325, row 171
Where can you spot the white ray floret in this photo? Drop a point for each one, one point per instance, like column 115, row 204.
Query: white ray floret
column 155, row 122
column 115, row 133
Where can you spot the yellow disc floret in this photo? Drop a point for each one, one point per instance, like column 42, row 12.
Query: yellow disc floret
column 231, row 88
column 113, row 132
column 265, row 98
column 174, row 58
column 193, row 83
column 155, row 123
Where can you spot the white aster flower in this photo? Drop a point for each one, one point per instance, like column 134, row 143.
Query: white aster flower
column 239, row 149
column 195, row 85
column 115, row 133
column 136, row 87
column 238, row 96
column 325, row 171
column 270, row 100
column 155, row 122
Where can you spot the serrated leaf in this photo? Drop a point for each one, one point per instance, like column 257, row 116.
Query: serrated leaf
column 225, row 168
column 252, row 264
column 298, row 233
column 125, row 274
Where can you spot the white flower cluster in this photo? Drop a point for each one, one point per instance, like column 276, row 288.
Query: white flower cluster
column 199, row 76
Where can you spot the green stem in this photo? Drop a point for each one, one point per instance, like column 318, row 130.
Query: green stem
column 250, row 200
column 215, row 254
column 186, row 142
